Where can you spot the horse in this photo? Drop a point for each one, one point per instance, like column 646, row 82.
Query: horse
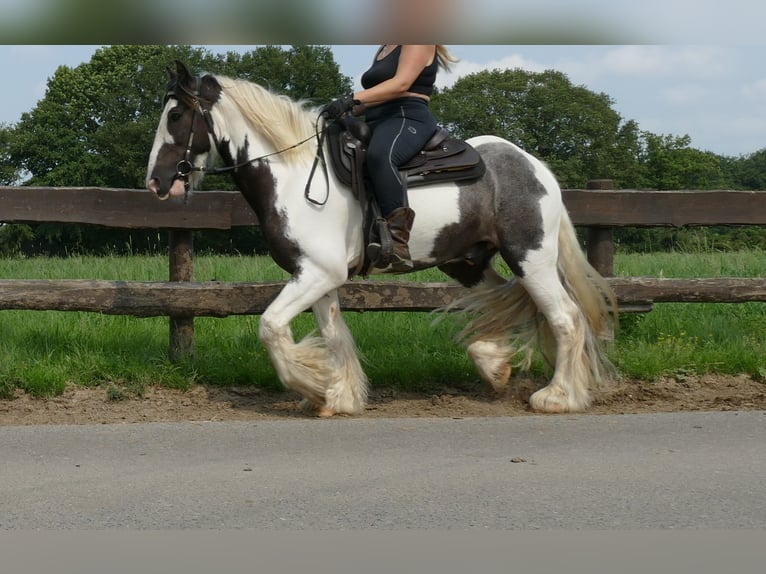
column 554, row 300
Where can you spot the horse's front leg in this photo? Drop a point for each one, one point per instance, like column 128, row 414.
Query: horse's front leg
column 306, row 366
column 347, row 391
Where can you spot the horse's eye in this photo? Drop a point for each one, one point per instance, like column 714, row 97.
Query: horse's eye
column 174, row 115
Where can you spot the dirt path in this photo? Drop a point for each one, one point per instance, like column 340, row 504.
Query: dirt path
column 93, row 406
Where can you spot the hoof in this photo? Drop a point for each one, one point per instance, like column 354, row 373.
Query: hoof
column 491, row 361
column 310, row 408
column 499, row 382
column 324, row 412
column 342, row 401
column 549, row 401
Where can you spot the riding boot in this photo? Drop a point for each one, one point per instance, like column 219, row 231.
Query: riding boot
column 399, row 224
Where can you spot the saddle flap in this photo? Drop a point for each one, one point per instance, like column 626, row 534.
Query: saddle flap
column 341, row 145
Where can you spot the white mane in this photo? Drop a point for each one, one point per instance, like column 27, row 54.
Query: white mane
column 282, row 121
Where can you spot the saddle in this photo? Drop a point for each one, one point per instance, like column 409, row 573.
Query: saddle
column 443, row 158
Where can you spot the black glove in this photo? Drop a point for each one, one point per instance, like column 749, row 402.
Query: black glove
column 340, row 106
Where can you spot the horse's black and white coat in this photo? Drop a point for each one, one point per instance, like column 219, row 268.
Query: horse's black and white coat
column 515, row 210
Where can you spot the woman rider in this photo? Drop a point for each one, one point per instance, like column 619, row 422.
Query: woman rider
column 397, row 90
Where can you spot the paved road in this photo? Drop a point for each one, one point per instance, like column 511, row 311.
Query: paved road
column 693, row 470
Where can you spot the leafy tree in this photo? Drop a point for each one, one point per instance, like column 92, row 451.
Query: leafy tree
column 671, row 163
column 9, row 174
column 749, row 172
column 572, row 128
column 303, row 72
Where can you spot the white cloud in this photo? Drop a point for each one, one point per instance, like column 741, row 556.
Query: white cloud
column 683, row 94
column 664, row 61
column 755, row 90
column 747, row 130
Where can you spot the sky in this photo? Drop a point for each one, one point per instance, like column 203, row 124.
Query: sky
column 716, row 94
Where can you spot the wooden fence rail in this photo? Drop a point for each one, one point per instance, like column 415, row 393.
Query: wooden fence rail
column 222, row 299
column 600, row 208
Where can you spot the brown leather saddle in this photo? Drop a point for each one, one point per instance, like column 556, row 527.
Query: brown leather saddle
column 443, row 158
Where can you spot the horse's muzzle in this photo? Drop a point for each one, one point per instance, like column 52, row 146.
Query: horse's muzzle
column 177, row 188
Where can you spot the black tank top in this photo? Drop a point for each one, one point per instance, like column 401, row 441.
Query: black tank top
column 385, row 69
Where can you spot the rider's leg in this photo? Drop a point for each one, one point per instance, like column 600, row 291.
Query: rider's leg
column 399, row 131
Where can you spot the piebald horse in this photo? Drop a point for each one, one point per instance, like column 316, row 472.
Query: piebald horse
column 555, row 300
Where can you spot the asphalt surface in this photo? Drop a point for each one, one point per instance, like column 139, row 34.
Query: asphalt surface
column 622, row 472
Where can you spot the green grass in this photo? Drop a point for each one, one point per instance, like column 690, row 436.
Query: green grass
column 44, row 351
column 693, row 338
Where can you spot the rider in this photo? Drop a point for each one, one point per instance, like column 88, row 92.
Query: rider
column 397, row 90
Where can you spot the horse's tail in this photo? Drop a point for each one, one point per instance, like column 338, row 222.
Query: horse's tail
column 506, row 312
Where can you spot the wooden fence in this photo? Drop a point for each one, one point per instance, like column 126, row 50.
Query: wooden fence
column 599, row 208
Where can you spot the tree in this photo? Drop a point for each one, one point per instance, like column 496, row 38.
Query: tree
column 303, row 72
column 749, row 172
column 671, row 163
column 572, row 128
column 9, row 174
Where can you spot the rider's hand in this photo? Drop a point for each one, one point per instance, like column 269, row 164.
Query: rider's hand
column 340, row 106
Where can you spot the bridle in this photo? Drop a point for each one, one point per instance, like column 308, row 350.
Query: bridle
column 184, row 168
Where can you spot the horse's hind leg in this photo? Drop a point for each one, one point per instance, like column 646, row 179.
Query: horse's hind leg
column 347, row 390
column 568, row 389
column 492, row 360
column 490, row 353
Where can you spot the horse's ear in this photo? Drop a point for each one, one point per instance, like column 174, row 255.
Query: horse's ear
column 171, row 74
column 183, row 72
column 210, row 88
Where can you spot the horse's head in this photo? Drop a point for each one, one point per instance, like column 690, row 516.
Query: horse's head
column 182, row 144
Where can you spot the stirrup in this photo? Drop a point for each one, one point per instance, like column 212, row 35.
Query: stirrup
column 380, row 249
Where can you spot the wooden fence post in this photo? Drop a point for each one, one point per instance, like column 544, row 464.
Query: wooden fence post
column 600, row 239
column 181, row 251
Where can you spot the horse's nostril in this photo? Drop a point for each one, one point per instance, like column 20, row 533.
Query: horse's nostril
column 154, row 186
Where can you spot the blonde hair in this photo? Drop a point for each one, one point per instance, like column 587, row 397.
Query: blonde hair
column 445, row 58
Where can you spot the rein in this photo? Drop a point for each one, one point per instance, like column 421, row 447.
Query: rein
column 184, row 168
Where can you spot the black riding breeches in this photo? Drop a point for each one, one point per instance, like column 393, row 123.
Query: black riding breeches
column 400, row 129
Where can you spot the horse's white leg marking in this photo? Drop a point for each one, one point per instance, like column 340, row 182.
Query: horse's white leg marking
column 305, row 366
column 347, row 391
column 492, row 354
column 491, row 359
column 568, row 389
